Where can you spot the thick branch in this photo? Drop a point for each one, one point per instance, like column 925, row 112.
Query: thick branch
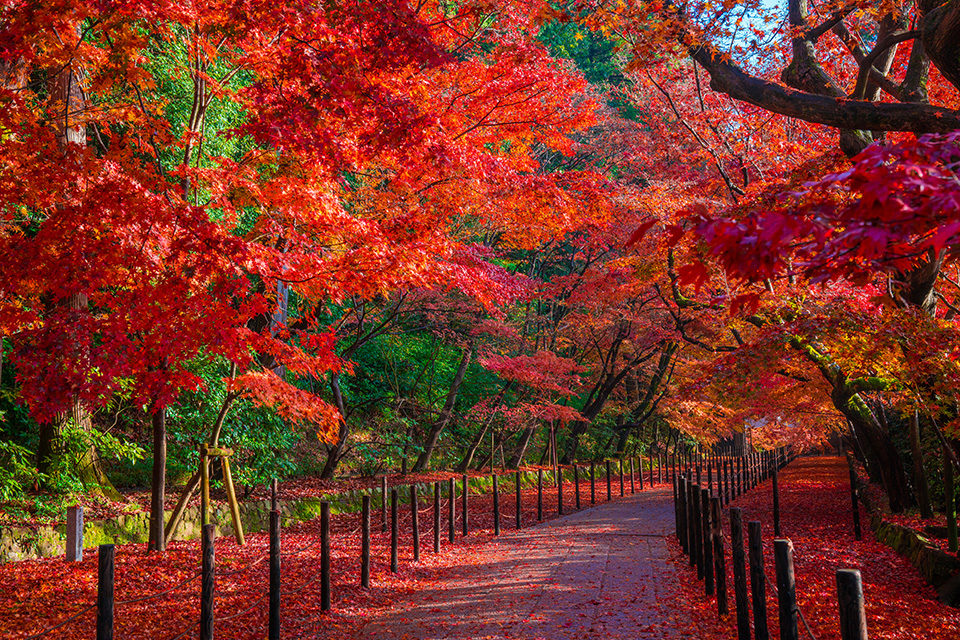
column 727, row 78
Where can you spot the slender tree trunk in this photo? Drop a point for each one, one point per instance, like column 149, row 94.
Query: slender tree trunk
column 158, row 489
column 445, row 414
column 521, row 449
column 335, row 452
column 919, row 477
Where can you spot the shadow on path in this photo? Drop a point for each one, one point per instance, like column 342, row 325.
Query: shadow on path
column 599, row 573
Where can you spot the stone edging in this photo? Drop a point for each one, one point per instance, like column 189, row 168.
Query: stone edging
column 23, row 543
column 939, row 568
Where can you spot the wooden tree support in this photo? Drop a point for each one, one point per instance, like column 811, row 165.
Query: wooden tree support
column 206, row 453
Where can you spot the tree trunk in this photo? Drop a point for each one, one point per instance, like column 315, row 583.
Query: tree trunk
column 335, row 452
column 158, row 489
column 888, row 458
column 919, row 477
column 521, row 449
column 445, row 414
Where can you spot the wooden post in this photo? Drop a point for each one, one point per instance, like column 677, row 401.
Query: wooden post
column 650, row 457
column 622, row 492
column 609, row 489
column 466, row 493
column 719, row 562
column 853, row 499
column 576, row 485
column 232, row 500
column 415, row 521
column 394, row 533
column 518, row 488
column 273, row 495
column 640, row 465
column 273, row 616
column 593, row 483
column 452, row 511
column 949, row 500
column 539, row 495
column 786, row 589
column 739, row 574
column 436, row 517
column 204, row 486
column 682, row 514
column 776, row 502
column 697, row 513
column 383, row 504
column 853, row 619
column 708, row 583
column 365, row 542
column 105, row 573
column 758, row 587
column 560, row 491
column 324, row 555
column 75, row 533
column 206, row 582
column 710, row 474
column 496, row 506
column 633, row 483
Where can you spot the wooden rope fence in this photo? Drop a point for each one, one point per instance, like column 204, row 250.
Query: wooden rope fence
column 106, row 604
column 697, row 514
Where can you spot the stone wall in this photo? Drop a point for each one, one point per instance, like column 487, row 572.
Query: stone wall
column 22, row 543
column 939, row 568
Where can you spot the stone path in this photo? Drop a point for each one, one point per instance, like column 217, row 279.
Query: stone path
column 603, row 572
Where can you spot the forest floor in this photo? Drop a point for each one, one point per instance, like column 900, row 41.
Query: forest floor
column 38, row 594
column 611, row 571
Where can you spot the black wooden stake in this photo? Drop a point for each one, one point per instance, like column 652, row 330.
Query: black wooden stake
column 365, row 543
column 466, row 493
column 776, row 503
column 539, row 495
column 206, row 583
column 324, row 556
column 383, row 504
column 452, row 512
column 593, row 483
column 609, row 489
column 496, row 507
column 560, row 491
column 273, row 622
column 518, row 488
column 739, row 574
column 394, row 533
column 436, row 517
column 415, row 521
column 786, row 589
column 708, row 583
column 853, row 620
column 719, row 562
column 758, row 586
column 105, row 572
column 576, row 485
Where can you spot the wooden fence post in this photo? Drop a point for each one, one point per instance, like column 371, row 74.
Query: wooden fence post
column 273, row 616
column 496, row 506
column 786, row 589
column 452, row 512
column 719, row 562
column 324, row 556
column 518, row 490
column 950, row 504
column 708, row 584
column 593, row 483
column 622, row 492
column 539, row 495
column 466, row 492
column 415, row 521
column 739, row 574
column 776, row 502
column 758, row 587
column 206, row 582
column 697, row 515
column 576, row 485
column 853, row 619
column 383, row 504
column 75, row 533
column 609, row 489
column 365, row 542
column 394, row 533
column 682, row 513
column 633, row 484
column 436, row 517
column 105, row 573
column 559, row 491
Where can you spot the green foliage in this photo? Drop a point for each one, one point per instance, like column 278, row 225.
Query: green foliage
column 16, row 471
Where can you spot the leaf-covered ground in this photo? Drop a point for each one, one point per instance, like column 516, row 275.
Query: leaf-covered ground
column 37, row 594
column 816, row 515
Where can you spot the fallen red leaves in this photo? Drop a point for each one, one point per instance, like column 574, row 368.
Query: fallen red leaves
column 37, row 594
column 816, row 516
